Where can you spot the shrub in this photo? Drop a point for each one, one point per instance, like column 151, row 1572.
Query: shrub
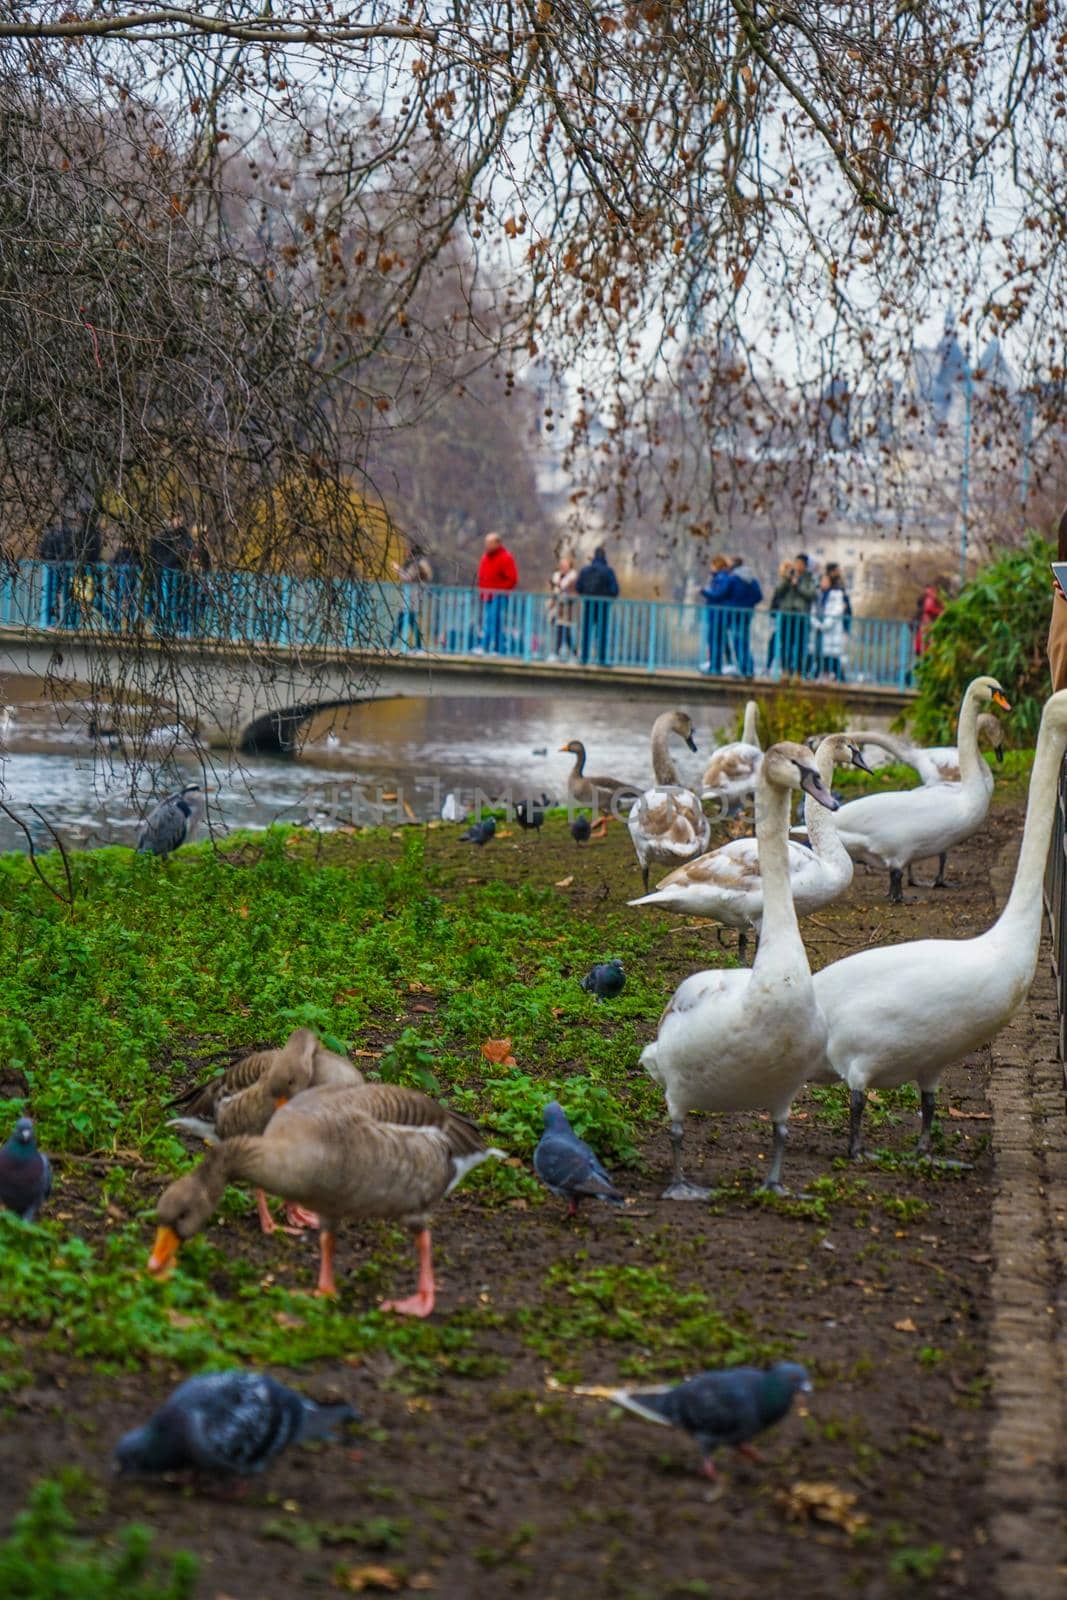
column 997, row 625
column 794, row 716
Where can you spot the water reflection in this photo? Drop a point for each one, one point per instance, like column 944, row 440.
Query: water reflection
column 400, row 755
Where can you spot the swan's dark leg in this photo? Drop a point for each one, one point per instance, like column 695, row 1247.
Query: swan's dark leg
column 679, row 1187
column 939, row 881
column 856, row 1102
column 896, row 892
column 742, row 945
column 773, row 1180
column 644, row 874
column 928, row 1102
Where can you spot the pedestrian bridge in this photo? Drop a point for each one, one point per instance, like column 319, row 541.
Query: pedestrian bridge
column 244, row 660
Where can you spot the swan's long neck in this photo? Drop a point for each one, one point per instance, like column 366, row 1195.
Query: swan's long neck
column 971, row 759
column 749, row 734
column 899, row 749
column 780, row 945
column 818, row 819
column 663, row 767
column 1021, row 917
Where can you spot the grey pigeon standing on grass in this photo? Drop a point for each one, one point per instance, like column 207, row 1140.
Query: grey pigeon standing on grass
column 227, row 1424
column 25, row 1173
column 722, row 1408
column 581, row 828
column 170, row 824
column 479, row 832
column 566, row 1164
column 605, row 980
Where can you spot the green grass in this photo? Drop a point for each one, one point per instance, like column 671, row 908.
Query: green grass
column 42, row 1559
column 158, row 972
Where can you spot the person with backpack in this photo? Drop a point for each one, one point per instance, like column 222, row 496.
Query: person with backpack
column 598, row 587
column 714, row 595
column 742, row 597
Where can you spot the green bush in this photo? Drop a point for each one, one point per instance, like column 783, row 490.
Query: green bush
column 43, row 1560
column 793, row 716
column 998, row 625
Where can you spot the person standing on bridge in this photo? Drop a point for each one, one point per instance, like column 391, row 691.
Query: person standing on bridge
column 412, row 573
column 742, row 598
column 598, row 587
column 497, row 576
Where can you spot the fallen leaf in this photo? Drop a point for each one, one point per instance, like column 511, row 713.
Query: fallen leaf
column 285, row 1319
column 420, row 1006
column 372, row 1055
column 422, row 1580
column 969, row 1116
column 565, row 883
column 357, row 1579
column 822, row 1502
column 419, row 988
column 179, row 1319
column 499, row 1052
column 905, row 1326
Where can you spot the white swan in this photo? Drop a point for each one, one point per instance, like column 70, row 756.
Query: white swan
column 745, row 1040
column 939, row 764
column 668, row 824
column 903, row 1013
column 900, row 826
column 725, row 884
column 730, row 775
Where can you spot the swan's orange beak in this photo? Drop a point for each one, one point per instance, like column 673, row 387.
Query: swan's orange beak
column 164, row 1251
column 1001, row 700
column 282, row 1100
column 565, row 749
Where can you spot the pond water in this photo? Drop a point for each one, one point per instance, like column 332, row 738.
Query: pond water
column 393, row 761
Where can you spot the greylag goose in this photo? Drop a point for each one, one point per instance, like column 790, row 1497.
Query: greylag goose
column 243, row 1100
column 375, row 1151
column 583, row 789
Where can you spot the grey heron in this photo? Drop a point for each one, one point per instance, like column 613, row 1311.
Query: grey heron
column 170, row 823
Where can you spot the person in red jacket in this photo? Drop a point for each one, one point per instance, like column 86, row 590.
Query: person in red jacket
column 497, row 574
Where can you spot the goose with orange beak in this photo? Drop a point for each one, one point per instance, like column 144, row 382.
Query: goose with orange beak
column 376, row 1151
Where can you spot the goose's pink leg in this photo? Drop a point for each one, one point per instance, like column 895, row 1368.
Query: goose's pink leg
column 266, row 1221
column 420, row 1304
column 326, row 1285
column 299, row 1218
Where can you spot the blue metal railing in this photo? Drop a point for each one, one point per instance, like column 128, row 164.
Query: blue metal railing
column 518, row 627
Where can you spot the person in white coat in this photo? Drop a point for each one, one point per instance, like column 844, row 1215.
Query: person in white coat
column 832, row 619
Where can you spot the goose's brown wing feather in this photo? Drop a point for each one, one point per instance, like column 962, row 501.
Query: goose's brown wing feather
column 202, row 1099
column 406, row 1108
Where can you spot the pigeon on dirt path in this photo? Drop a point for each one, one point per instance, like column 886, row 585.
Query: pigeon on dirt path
column 605, row 980
column 479, row 832
column 566, row 1164
column 722, row 1408
column 25, row 1173
column 227, row 1425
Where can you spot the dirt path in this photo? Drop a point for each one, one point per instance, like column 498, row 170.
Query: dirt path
column 475, row 1477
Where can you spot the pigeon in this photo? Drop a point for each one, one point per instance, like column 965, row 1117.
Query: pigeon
column 720, row 1408
column 605, row 980
column 530, row 813
column 581, row 828
column 566, row 1165
column 479, row 832
column 226, row 1424
column 25, row 1173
